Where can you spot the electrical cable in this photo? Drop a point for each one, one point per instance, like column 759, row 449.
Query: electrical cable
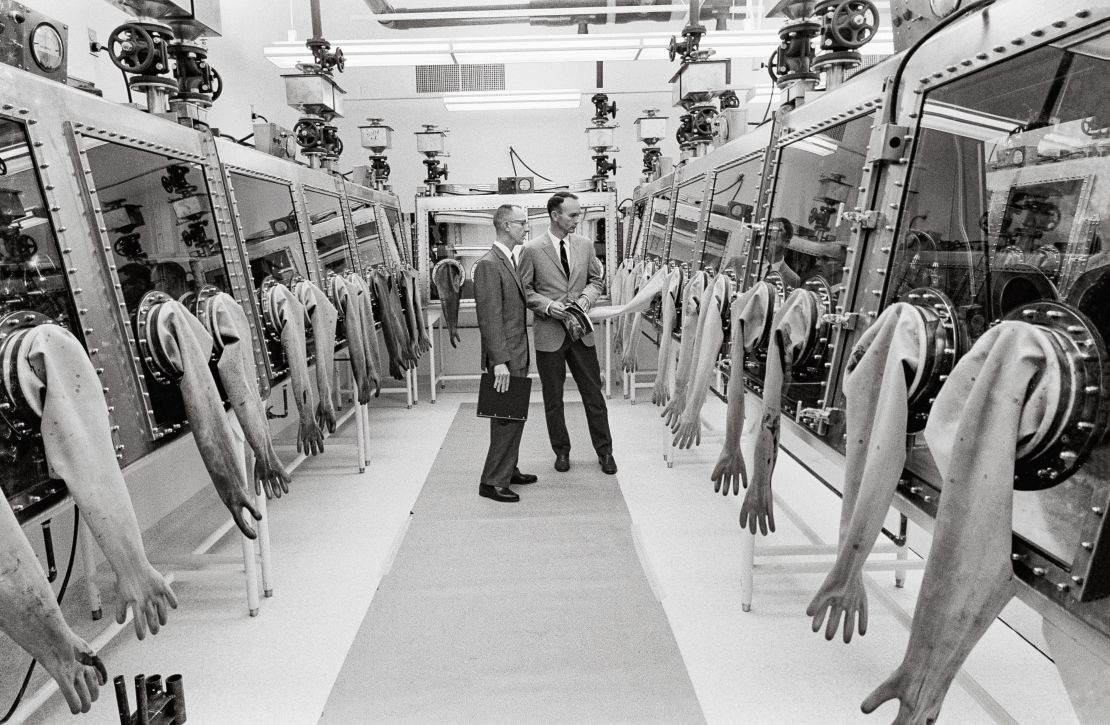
column 768, row 109
column 525, row 164
column 512, row 161
column 127, row 85
column 892, row 110
column 61, row 595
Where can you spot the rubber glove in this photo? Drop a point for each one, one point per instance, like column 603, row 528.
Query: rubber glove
column 356, row 347
column 324, row 317
column 877, row 388
column 750, row 318
column 991, row 407
column 290, row 319
column 239, row 381
column 711, row 334
column 188, row 347
column 664, row 376
column 447, row 276
column 792, row 325
column 61, row 385
column 30, row 615
column 691, row 310
column 362, row 295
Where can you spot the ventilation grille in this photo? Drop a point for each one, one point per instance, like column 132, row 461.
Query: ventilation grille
column 865, row 62
column 453, row 78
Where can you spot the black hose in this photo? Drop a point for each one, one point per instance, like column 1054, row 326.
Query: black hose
column 892, row 105
column 61, row 595
column 525, row 164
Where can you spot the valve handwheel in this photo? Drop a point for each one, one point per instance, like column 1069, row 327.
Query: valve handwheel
column 217, row 83
column 340, row 60
column 132, row 48
column 853, row 23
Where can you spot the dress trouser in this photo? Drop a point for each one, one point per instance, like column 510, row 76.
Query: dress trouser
column 586, row 371
column 504, row 446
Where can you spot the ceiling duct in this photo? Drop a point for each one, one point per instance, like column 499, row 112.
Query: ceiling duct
column 550, row 13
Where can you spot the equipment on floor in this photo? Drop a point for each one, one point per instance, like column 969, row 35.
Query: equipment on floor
column 155, row 705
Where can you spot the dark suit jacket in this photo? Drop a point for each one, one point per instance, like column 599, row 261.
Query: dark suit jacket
column 544, row 280
column 502, row 313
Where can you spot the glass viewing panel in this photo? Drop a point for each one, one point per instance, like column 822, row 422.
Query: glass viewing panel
column 162, row 234
column 819, row 178
column 685, row 245
column 655, row 235
column 368, row 242
column 731, row 217
column 273, row 240
column 635, row 228
column 466, row 235
column 395, row 239
column 32, row 277
column 328, row 231
column 1008, row 203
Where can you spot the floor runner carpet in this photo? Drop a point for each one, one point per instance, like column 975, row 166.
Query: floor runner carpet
column 533, row 612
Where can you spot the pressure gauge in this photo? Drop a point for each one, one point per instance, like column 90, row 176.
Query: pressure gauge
column 47, row 48
column 524, row 185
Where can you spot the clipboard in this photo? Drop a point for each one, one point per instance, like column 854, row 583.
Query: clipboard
column 510, row 405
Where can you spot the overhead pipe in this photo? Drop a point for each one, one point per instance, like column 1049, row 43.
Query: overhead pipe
column 713, row 9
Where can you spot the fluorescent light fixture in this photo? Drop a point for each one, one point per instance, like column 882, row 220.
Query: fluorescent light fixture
column 512, row 100
column 547, row 48
column 967, row 122
column 817, row 144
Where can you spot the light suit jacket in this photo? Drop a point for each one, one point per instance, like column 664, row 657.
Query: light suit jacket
column 541, row 271
column 502, row 316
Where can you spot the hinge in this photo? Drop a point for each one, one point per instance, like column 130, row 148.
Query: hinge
column 869, row 219
column 818, row 419
column 843, row 320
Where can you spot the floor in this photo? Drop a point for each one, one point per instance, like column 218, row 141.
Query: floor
column 337, row 533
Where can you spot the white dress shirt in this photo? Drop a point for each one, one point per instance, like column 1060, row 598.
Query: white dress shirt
column 507, row 252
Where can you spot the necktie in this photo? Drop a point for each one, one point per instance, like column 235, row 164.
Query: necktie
column 563, row 257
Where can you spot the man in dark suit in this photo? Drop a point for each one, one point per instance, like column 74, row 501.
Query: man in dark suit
column 560, row 269
column 502, row 320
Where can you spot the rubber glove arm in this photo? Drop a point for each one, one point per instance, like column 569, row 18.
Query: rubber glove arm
column 53, row 368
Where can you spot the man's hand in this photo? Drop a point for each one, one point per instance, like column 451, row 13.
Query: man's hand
column 558, row 310
column 501, row 377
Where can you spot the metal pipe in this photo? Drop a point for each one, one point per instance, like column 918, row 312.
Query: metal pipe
column 317, row 31
column 572, row 12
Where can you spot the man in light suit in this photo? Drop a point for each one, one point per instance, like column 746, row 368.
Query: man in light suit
column 502, row 321
column 560, row 269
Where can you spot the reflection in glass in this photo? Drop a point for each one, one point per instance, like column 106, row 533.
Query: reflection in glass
column 731, row 214
column 685, row 246
column 1008, row 203
column 655, row 236
column 328, row 231
column 31, row 278
column 397, row 238
column 636, row 229
column 159, row 222
column 269, row 229
column 367, row 239
column 807, row 235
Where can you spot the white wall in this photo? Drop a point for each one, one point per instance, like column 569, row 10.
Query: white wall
column 552, row 142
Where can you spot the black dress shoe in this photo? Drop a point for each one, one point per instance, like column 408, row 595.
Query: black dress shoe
column 562, row 462
column 608, row 463
column 497, row 493
column 523, row 479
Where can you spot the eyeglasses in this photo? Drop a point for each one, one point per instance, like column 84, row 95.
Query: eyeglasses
column 518, row 221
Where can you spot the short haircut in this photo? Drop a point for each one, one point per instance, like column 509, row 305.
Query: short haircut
column 503, row 214
column 556, row 201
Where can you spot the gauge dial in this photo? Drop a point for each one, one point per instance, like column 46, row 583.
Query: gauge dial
column 47, row 48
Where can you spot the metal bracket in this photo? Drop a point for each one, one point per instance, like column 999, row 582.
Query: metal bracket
column 869, row 219
column 843, row 320
column 820, row 417
column 888, row 144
